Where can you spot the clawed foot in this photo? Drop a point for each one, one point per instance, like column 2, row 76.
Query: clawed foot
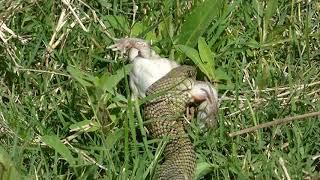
column 190, row 113
column 121, row 45
column 134, row 46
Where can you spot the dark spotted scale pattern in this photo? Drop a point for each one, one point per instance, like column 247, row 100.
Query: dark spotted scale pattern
column 165, row 114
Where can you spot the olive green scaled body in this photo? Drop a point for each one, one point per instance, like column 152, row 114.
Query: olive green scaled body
column 165, row 114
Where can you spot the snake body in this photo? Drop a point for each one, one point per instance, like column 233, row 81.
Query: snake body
column 172, row 89
column 165, row 112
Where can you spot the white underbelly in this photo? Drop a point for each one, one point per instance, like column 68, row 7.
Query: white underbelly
column 147, row 71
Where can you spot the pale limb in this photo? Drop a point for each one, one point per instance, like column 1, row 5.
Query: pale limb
column 204, row 93
column 141, row 47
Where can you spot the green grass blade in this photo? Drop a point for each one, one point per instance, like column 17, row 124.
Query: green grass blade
column 57, row 145
column 207, row 57
column 7, row 168
column 194, row 56
column 198, row 21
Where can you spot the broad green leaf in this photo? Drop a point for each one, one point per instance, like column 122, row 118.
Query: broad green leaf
column 105, row 3
column 221, row 74
column 137, row 29
column 85, row 125
column 198, row 21
column 58, row 146
column 108, row 82
column 82, row 77
column 202, row 169
column 118, row 22
column 253, row 43
column 151, row 36
column 113, row 118
column 194, row 56
column 205, row 52
column 270, row 9
column 112, row 137
column 191, row 53
column 206, row 56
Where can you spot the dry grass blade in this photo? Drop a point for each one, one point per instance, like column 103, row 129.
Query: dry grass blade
column 274, row 123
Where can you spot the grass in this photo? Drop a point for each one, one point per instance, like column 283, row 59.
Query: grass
column 66, row 113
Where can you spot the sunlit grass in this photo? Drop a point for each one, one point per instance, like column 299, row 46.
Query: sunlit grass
column 66, row 111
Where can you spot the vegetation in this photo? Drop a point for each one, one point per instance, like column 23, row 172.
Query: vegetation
column 66, row 112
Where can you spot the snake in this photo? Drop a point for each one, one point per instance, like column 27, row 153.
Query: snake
column 165, row 114
column 172, row 88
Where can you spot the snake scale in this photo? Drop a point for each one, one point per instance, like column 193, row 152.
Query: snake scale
column 166, row 115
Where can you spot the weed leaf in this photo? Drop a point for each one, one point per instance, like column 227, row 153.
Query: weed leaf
column 108, row 82
column 206, row 56
column 85, row 126
column 58, row 146
column 198, row 21
column 7, row 168
column 83, row 78
column 194, row 56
